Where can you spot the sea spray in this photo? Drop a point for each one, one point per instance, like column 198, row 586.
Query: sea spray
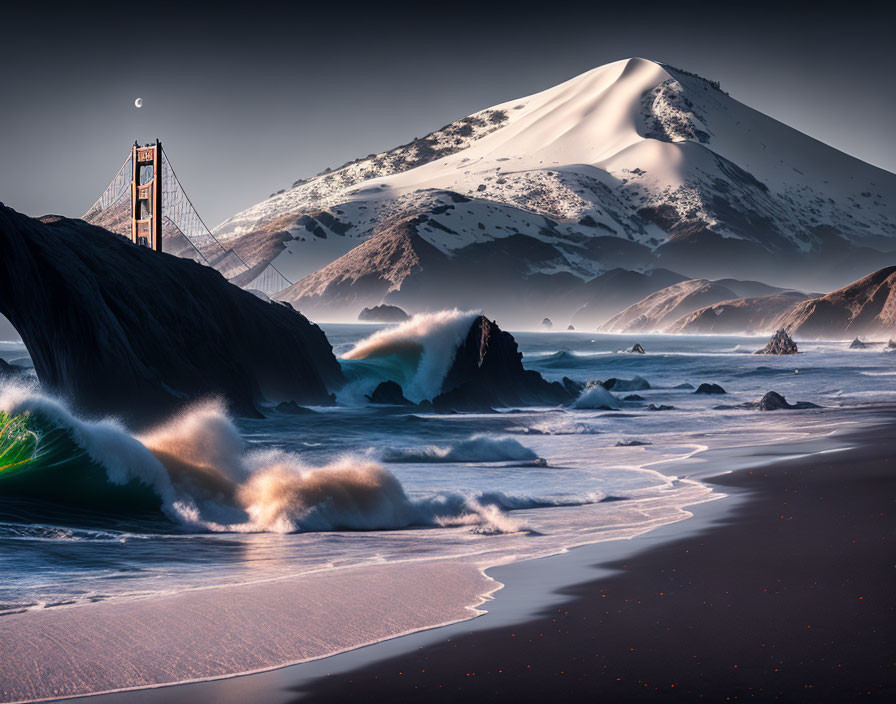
column 596, row 397
column 416, row 354
column 349, row 494
column 105, row 443
column 206, row 478
column 477, row 448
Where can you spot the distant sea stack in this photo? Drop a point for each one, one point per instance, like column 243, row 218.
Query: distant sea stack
column 781, row 343
column 122, row 330
column 383, row 313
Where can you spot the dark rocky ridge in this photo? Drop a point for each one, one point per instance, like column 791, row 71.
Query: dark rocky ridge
column 122, row 330
column 864, row 307
column 488, row 372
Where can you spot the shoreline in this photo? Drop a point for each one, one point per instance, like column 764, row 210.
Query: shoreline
column 518, row 601
column 785, row 597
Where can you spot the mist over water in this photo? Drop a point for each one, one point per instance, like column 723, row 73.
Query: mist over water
column 251, row 500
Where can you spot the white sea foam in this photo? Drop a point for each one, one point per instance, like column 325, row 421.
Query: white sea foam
column 477, row 448
column 596, row 397
column 206, row 478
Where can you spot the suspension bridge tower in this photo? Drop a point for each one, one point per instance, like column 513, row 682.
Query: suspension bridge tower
column 132, row 206
column 146, row 195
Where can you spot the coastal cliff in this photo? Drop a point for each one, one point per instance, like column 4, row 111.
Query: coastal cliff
column 121, row 330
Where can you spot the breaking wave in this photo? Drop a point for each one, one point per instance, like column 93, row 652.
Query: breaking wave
column 596, row 397
column 198, row 471
column 416, row 354
column 478, row 448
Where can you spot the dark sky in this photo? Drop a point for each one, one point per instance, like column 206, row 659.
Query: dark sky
column 248, row 98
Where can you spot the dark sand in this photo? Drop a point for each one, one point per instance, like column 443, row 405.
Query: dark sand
column 791, row 598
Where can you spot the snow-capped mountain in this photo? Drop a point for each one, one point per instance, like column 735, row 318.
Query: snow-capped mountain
column 633, row 164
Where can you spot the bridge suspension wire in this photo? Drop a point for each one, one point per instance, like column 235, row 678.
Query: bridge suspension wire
column 186, row 234
column 177, row 206
column 118, row 187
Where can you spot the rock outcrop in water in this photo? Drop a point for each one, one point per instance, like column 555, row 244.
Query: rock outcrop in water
column 857, row 344
column 781, row 343
column 488, row 372
column 383, row 313
column 121, row 330
column 546, row 324
column 389, row 393
column 639, row 383
column 773, row 401
column 710, row 389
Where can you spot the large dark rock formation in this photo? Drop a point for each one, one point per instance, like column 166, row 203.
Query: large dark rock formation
column 383, row 313
column 781, row 343
column 857, row 344
column 119, row 329
column 488, row 372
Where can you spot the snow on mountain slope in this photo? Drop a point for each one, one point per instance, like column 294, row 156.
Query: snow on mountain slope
column 663, row 160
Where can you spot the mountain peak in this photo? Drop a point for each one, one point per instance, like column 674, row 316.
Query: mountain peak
column 660, row 158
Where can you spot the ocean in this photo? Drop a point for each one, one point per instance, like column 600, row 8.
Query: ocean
column 96, row 517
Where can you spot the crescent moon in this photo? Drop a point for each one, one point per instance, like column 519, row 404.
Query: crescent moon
column 138, row 102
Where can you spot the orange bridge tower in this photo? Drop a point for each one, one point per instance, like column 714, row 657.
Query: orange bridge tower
column 146, row 195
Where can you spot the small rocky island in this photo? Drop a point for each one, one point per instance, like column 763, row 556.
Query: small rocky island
column 781, row 343
column 383, row 313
